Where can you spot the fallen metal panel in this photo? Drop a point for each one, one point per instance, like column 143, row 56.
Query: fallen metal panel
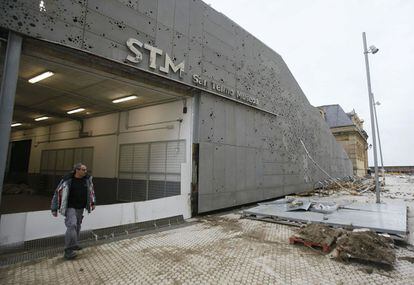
column 387, row 218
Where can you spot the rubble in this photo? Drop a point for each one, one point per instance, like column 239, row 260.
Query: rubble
column 354, row 185
column 365, row 246
column 316, row 234
column 359, row 245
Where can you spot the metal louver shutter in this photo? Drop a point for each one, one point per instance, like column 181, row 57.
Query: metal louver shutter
column 150, row 170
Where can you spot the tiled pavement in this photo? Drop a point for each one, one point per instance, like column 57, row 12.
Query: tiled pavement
column 213, row 250
column 217, row 250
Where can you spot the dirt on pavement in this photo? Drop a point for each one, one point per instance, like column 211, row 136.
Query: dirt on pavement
column 365, row 246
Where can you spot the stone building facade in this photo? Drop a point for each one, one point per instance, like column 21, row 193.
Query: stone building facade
column 349, row 132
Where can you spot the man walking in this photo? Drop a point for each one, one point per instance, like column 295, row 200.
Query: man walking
column 73, row 195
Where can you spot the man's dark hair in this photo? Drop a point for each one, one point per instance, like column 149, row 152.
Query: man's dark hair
column 77, row 166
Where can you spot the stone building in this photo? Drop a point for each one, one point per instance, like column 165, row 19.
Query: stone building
column 349, row 132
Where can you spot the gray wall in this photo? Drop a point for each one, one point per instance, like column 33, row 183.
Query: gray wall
column 210, row 43
column 246, row 154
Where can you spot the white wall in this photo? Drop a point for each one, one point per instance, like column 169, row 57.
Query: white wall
column 154, row 123
column 16, row 228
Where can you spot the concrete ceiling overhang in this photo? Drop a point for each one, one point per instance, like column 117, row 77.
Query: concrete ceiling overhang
column 82, row 80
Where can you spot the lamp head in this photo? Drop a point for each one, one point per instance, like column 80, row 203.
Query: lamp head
column 373, row 49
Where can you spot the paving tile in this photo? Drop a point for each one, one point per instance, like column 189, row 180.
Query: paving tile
column 215, row 250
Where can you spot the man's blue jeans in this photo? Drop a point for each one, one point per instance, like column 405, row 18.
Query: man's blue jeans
column 73, row 223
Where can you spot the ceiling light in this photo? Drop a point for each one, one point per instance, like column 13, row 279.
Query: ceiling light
column 16, row 125
column 42, row 76
column 75, row 111
column 123, row 99
column 41, row 118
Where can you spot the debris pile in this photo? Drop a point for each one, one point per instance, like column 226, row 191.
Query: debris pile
column 351, row 184
column 15, row 189
column 365, row 245
column 292, row 204
column 316, row 235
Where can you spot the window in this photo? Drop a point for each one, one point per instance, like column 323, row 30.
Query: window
column 61, row 161
column 150, row 170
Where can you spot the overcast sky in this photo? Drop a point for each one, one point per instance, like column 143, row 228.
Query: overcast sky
column 321, row 42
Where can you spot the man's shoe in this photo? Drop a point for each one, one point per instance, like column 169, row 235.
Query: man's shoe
column 69, row 254
column 77, row 247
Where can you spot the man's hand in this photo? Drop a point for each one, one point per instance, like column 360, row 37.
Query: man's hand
column 54, row 213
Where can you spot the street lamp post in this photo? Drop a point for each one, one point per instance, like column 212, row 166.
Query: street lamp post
column 379, row 137
column 372, row 50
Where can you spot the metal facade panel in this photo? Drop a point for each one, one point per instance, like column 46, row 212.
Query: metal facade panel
column 123, row 16
column 219, row 33
column 180, row 51
column 244, row 197
column 164, row 38
column 273, row 192
column 216, row 201
column 166, row 11
column 219, row 75
column 148, row 8
column 219, row 121
column 215, row 44
column 219, row 169
column 195, row 57
column 241, row 161
column 261, row 158
column 205, row 170
column 230, row 124
column 230, row 168
column 240, row 127
column 219, row 60
column 225, row 23
column 182, row 16
column 250, row 169
column 387, row 218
